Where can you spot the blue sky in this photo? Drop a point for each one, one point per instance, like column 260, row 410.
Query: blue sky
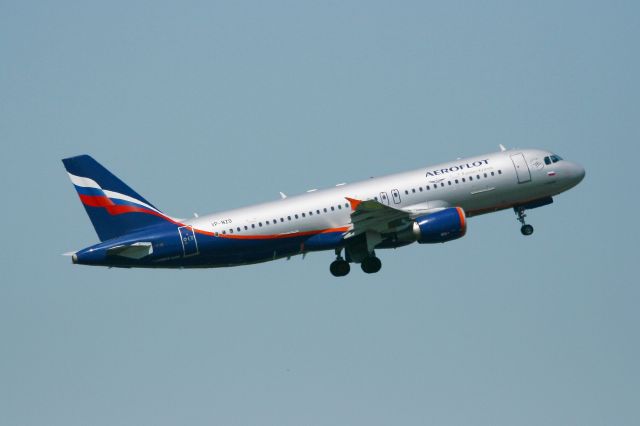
column 204, row 106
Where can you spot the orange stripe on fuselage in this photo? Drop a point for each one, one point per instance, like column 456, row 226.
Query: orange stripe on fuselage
column 115, row 209
column 274, row 236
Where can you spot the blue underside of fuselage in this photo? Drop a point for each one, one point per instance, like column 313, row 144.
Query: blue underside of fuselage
column 207, row 251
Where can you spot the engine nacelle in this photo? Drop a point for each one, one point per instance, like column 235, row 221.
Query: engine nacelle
column 441, row 226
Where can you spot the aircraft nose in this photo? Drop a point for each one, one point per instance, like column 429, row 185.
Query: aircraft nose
column 576, row 172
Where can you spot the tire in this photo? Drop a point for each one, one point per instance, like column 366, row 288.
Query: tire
column 371, row 265
column 526, row 230
column 339, row 268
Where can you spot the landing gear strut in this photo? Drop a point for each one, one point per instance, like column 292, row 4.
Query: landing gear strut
column 339, row 267
column 371, row 264
column 525, row 229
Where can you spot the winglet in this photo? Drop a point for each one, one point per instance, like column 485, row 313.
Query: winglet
column 354, row 203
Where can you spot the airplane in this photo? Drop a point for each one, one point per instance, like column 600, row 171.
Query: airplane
column 428, row 205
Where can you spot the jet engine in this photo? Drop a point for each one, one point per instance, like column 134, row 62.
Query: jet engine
column 441, row 226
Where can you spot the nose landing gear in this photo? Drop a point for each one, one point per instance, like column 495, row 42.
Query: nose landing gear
column 525, row 229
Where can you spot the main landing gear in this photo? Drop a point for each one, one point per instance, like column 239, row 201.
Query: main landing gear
column 340, row 267
column 371, row 264
column 526, row 229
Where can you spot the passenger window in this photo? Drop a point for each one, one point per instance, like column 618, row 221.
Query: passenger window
column 470, row 178
column 253, row 225
column 464, row 180
column 493, row 174
column 333, row 209
column 288, row 217
column 224, row 232
column 457, row 181
column 478, row 176
column 428, row 188
column 304, row 215
column 485, row 175
column 318, row 211
column 442, row 184
column 295, row 215
column 406, row 192
column 346, row 205
column 267, row 222
column 259, row 223
column 325, row 209
column 499, row 172
column 420, row 189
column 340, row 206
column 238, row 229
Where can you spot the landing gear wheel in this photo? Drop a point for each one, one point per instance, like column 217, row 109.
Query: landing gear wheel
column 526, row 230
column 371, row 265
column 339, row 268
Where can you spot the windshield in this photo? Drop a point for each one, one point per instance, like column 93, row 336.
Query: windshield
column 552, row 159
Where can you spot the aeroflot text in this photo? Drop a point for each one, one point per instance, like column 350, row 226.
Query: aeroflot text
column 457, row 168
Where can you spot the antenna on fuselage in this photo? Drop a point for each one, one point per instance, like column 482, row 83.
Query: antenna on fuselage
column 283, row 195
column 502, row 148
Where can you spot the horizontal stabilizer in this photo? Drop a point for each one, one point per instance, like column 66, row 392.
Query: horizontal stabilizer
column 132, row 251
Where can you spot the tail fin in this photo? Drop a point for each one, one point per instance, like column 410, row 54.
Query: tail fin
column 113, row 207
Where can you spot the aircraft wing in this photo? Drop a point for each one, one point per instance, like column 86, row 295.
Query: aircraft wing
column 374, row 216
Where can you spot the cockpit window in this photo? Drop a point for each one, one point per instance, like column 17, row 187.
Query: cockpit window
column 552, row 159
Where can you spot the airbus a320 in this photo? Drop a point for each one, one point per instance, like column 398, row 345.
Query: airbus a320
column 356, row 221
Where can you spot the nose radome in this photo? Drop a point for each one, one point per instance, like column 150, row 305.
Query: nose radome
column 577, row 172
column 581, row 171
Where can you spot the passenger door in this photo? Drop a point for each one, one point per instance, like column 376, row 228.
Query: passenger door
column 522, row 169
column 395, row 194
column 188, row 239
